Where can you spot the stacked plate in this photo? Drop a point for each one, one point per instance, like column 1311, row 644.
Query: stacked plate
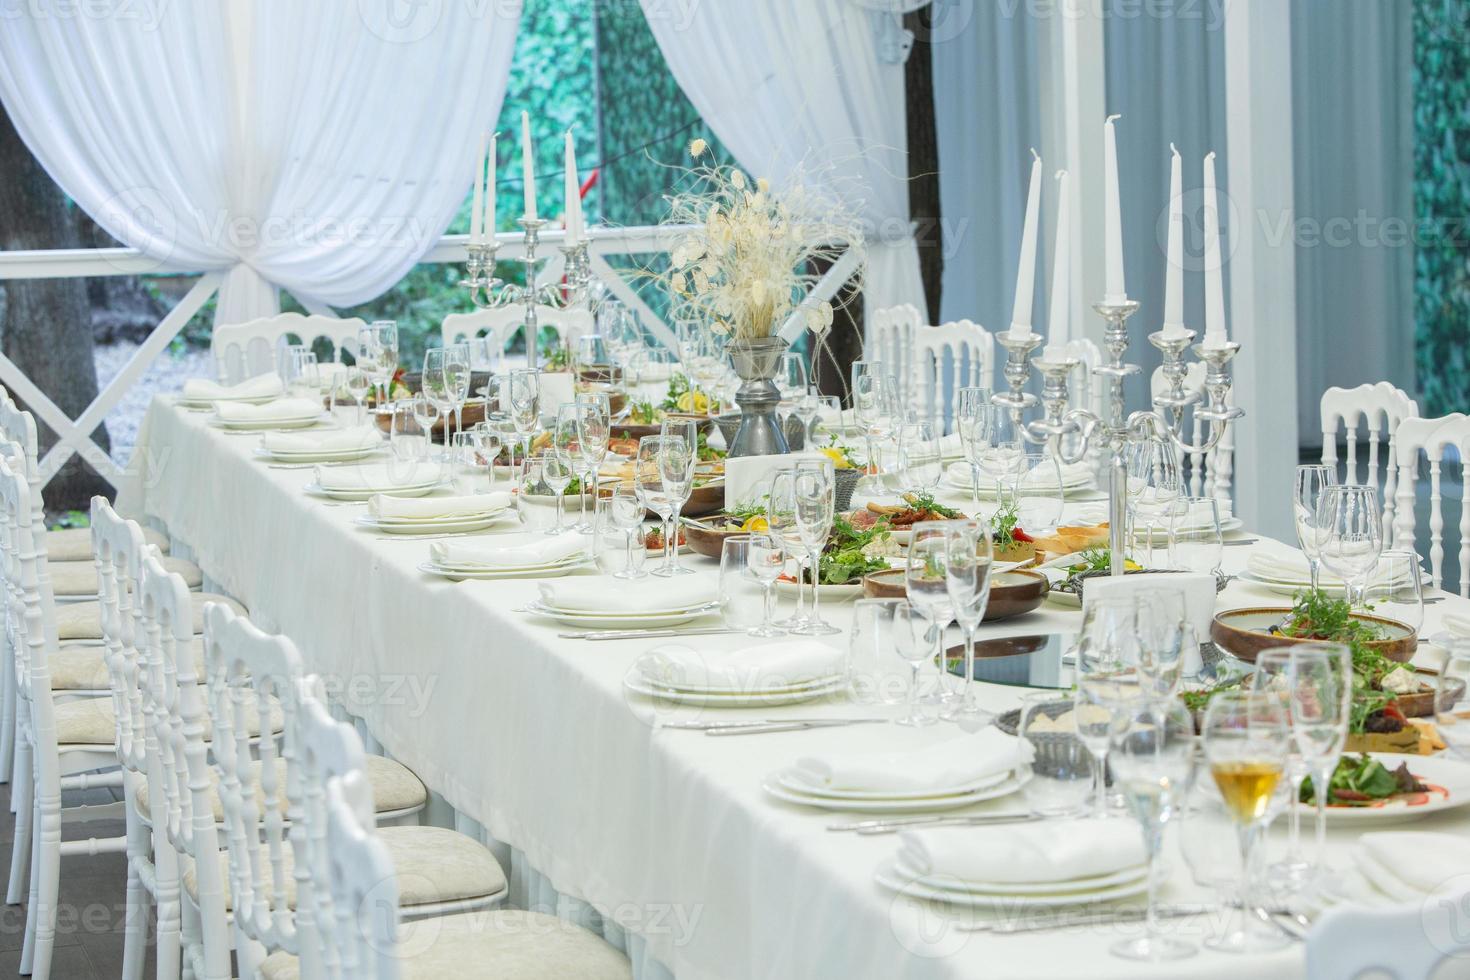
column 323, row 446
column 1287, row 574
column 611, row 619
column 202, row 394
column 284, row 413
column 367, row 481
column 897, row 875
column 459, row 571
column 455, row 524
column 641, row 681
column 793, row 785
column 513, row 556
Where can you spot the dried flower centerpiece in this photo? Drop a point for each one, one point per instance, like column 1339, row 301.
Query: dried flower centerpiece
column 745, row 263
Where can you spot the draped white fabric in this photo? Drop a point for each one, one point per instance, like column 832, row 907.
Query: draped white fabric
column 784, row 84
column 317, row 147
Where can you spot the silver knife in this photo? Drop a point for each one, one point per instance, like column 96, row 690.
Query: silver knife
column 974, row 820
column 701, row 726
column 1082, row 919
column 901, row 822
column 645, row 633
column 791, row 726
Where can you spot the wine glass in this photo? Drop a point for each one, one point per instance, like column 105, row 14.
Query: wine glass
column 1350, row 535
column 649, row 479
column 814, row 497
column 1152, row 748
column 913, row 641
column 522, row 391
column 1273, row 677
column 766, row 559
column 919, row 458
column 677, row 454
column 367, row 356
column 1245, row 739
column 438, row 379
column 487, row 445
column 567, row 449
column 594, row 429
column 972, row 423
column 358, row 382
column 1311, row 480
column 1196, row 543
column 1320, row 685
column 781, row 521
column 627, row 515
column 556, row 473
column 425, row 413
column 457, row 381
column 967, row 564
column 1396, row 590
column 383, row 337
column 928, row 590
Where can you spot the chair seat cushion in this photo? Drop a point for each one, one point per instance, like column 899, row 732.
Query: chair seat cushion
column 83, row 620
column 92, row 721
column 433, row 865
column 505, row 944
column 80, row 667
column 395, row 787
column 79, row 578
column 75, row 543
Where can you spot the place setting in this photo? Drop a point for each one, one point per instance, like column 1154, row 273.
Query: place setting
column 302, row 450
column 594, row 604
column 203, row 394
column 514, row 555
column 280, row 413
column 767, row 674
column 394, row 478
column 437, row 515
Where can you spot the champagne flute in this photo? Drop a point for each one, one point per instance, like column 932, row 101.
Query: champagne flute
column 523, row 393
column 967, row 564
column 425, row 413
column 556, row 473
column 1273, row 677
column 457, row 381
column 1245, row 741
column 814, row 497
column 627, row 516
column 928, row 591
column 649, row 479
column 384, row 339
column 1311, row 480
column 766, row 558
column 1153, row 760
column 972, row 423
column 1107, row 650
column 358, row 382
column 1321, row 697
column 1350, row 535
column 594, row 428
column 676, row 461
column 438, row 379
column 912, row 630
column 781, row 521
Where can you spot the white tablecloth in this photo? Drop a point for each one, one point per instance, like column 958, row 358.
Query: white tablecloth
column 667, row 832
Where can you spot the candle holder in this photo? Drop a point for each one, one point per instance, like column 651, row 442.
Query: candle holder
column 1083, row 430
column 578, row 273
column 488, row 292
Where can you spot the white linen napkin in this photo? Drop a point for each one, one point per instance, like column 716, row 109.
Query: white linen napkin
column 377, row 476
column 941, row 765
column 260, row 386
column 763, row 667
column 600, row 595
column 538, row 551
column 1411, row 864
column 1054, row 851
column 325, row 441
column 429, row 508
column 281, row 408
column 1459, row 626
column 1292, row 565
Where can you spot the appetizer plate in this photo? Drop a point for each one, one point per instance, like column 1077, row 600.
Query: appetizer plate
column 1012, row 783
column 891, row 875
column 796, row 781
column 1449, row 787
column 408, row 490
column 640, row 685
column 949, row 883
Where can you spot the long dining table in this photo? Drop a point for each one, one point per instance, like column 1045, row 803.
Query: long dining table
column 666, row 833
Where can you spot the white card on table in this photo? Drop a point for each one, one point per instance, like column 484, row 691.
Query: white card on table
column 1198, row 589
column 748, row 478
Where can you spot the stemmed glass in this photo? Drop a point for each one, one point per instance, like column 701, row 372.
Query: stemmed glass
column 425, row 413
column 358, row 382
column 967, row 564
column 487, row 445
column 781, row 522
column 1245, row 741
column 1154, row 483
column 1311, row 480
column 1350, row 535
column 1273, row 677
column 766, row 558
column 1166, row 639
column 1196, row 542
column 1397, row 589
column 439, row 378
column 649, row 479
column 1152, row 748
column 913, row 640
column 920, row 462
column 972, row 423
column 381, row 336
column 677, row 455
column 814, row 496
column 521, row 395
column 627, row 515
column 457, row 381
column 928, row 590
column 594, row 428
column 1107, row 650
column 556, row 473
column 568, row 451
column 1320, row 682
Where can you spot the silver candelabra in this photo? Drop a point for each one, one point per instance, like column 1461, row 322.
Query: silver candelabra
column 489, row 292
column 1115, row 431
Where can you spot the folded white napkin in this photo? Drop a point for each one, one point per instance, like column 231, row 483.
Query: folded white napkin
column 429, row 508
column 660, row 595
column 260, row 386
column 1457, row 625
column 377, row 476
column 1408, row 865
column 941, row 765
column 764, row 667
column 325, row 441
column 1292, row 565
column 1054, row 851
column 1152, row 508
column 281, row 408
column 537, row 551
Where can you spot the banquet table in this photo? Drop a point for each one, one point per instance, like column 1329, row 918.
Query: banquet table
column 666, row 833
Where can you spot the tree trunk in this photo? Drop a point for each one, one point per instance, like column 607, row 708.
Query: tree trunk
column 46, row 324
column 923, row 145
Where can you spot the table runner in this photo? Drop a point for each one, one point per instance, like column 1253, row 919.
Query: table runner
column 666, row 832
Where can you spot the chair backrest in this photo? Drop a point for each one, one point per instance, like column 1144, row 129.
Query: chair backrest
column 945, row 359
column 243, row 350
column 179, row 799
column 1379, row 408
column 251, row 676
column 890, row 341
column 503, row 322
column 118, row 549
column 1406, row 943
column 363, row 938
column 19, row 426
column 30, row 614
column 1431, row 437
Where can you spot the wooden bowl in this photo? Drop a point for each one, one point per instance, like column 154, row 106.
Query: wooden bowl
column 704, row 500
column 1012, row 594
column 472, row 415
column 709, row 543
column 1244, row 633
column 628, row 430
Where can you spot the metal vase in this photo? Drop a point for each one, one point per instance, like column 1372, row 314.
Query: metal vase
column 756, row 362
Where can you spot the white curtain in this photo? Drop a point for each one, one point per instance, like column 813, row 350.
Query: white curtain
column 782, row 84
column 318, row 147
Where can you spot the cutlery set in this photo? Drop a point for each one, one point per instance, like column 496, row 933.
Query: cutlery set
column 868, row 828
column 765, row 726
column 641, row 634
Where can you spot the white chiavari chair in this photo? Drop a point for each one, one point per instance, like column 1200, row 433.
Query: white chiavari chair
column 244, row 350
column 502, row 323
column 266, row 805
column 359, row 882
column 1430, row 437
column 1379, row 409
column 890, row 341
column 945, row 359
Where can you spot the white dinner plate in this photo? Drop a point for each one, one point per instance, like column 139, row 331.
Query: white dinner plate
column 639, row 685
column 594, row 619
column 1288, row 586
column 487, row 574
column 800, row 686
column 793, row 779
column 1449, row 775
column 1004, row 788
column 335, row 456
column 890, row 876
column 207, row 404
column 950, row 883
column 835, row 593
column 410, row 490
column 263, row 425
column 446, row 525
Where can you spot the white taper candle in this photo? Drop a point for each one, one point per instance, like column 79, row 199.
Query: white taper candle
column 1026, row 270
column 1215, row 334
column 1059, row 312
column 1117, row 289
column 528, row 166
column 1174, row 274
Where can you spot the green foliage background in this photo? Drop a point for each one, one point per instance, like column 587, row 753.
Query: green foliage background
column 1442, row 202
